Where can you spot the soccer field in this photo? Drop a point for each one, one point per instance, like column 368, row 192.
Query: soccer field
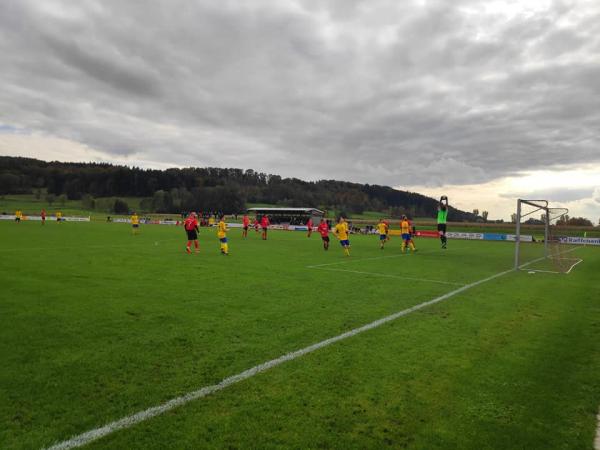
column 97, row 325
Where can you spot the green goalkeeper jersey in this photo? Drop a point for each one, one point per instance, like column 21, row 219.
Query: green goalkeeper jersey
column 442, row 214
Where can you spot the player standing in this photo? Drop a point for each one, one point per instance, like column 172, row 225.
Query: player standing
column 256, row 224
column 18, row 216
column 245, row 224
column 341, row 232
column 43, row 216
column 309, row 225
column 406, row 239
column 323, row 230
column 382, row 229
column 135, row 223
column 191, row 228
column 442, row 215
column 58, row 215
column 264, row 223
column 222, row 235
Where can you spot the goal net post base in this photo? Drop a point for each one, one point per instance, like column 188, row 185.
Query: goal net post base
column 544, row 250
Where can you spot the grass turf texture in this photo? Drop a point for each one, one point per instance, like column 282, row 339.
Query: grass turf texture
column 96, row 324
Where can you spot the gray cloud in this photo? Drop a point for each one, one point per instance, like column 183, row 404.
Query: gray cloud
column 379, row 91
column 560, row 195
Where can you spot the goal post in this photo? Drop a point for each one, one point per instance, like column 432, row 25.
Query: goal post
column 547, row 255
column 538, row 205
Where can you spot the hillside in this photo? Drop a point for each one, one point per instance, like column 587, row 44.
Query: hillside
column 207, row 189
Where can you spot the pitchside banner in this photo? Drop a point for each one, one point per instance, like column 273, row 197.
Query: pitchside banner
column 579, row 240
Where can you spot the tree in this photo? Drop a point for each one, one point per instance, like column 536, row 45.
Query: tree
column 88, row 202
column 484, row 214
column 476, row 212
column 120, row 207
column 50, row 198
column 62, row 199
column 513, row 218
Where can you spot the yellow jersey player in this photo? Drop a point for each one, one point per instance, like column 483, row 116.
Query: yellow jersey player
column 18, row 216
column 222, row 235
column 406, row 239
column 382, row 229
column 58, row 215
column 342, row 232
column 135, row 223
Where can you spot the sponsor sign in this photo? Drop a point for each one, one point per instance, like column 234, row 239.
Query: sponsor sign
column 424, row 233
column 579, row 240
column 459, row 235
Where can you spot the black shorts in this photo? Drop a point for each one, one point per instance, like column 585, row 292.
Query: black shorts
column 325, row 238
column 442, row 227
column 135, row 225
column 245, row 228
column 265, row 229
column 192, row 235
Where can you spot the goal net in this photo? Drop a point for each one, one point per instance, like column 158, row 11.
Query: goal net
column 539, row 246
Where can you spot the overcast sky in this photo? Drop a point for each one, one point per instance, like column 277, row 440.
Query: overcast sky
column 481, row 100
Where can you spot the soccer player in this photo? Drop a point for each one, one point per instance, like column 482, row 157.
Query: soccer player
column 135, row 223
column 309, row 225
column 382, row 229
column 442, row 215
column 191, row 228
column 43, row 216
column 245, row 225
column 222, row 235
column 341, row 232
column 387, row 230
column 323, row 230
column 18, row 216
column 264, row 223
column 58, row 215
column 406, row 239
column 256, row 224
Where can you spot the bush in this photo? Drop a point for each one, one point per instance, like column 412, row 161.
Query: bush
column 120, row 207
column 88, row 202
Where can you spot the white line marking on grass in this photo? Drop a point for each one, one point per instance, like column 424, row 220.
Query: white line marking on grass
column 351, row 260
column 597, row 440
column 389, row 276
column 129, row 421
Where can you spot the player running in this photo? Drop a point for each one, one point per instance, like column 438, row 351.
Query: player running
column 222, row 235
column 264, row 224
column 442, row 215
column 18, row 216
column 245, row 225
column 406, row 238
column 309, row 225
column 323, row 230
column 341, row 232
column 58, row 215
column 191, row 228
column 135, row 223
column 382, row 229
column 43, row 216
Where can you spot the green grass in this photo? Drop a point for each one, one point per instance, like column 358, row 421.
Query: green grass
column 96, row 324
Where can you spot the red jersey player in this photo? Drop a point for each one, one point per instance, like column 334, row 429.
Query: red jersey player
column 264, row 224
column 323, row 230
column 43, row 215
column 309, row 225
column 245, row 224
column 191, row 228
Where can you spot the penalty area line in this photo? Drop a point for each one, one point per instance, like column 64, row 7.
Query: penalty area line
column 129, row 421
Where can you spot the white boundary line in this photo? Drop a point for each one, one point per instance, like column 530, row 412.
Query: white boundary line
column 129, row 421
column 389, row 276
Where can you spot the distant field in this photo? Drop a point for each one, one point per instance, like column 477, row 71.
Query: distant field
column 97, row 324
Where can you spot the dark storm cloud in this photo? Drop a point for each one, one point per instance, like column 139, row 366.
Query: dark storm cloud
column 427, row 93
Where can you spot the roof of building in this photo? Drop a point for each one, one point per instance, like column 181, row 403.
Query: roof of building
column 286, row 210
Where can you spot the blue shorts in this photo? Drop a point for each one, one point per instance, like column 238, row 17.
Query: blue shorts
column 406, row 236
column 345, row 243
column 223, row 240
column 382, row 237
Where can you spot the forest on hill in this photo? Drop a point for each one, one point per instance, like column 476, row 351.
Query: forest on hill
column 207, row 189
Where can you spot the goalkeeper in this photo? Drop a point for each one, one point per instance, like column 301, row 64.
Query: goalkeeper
column 442, row 215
